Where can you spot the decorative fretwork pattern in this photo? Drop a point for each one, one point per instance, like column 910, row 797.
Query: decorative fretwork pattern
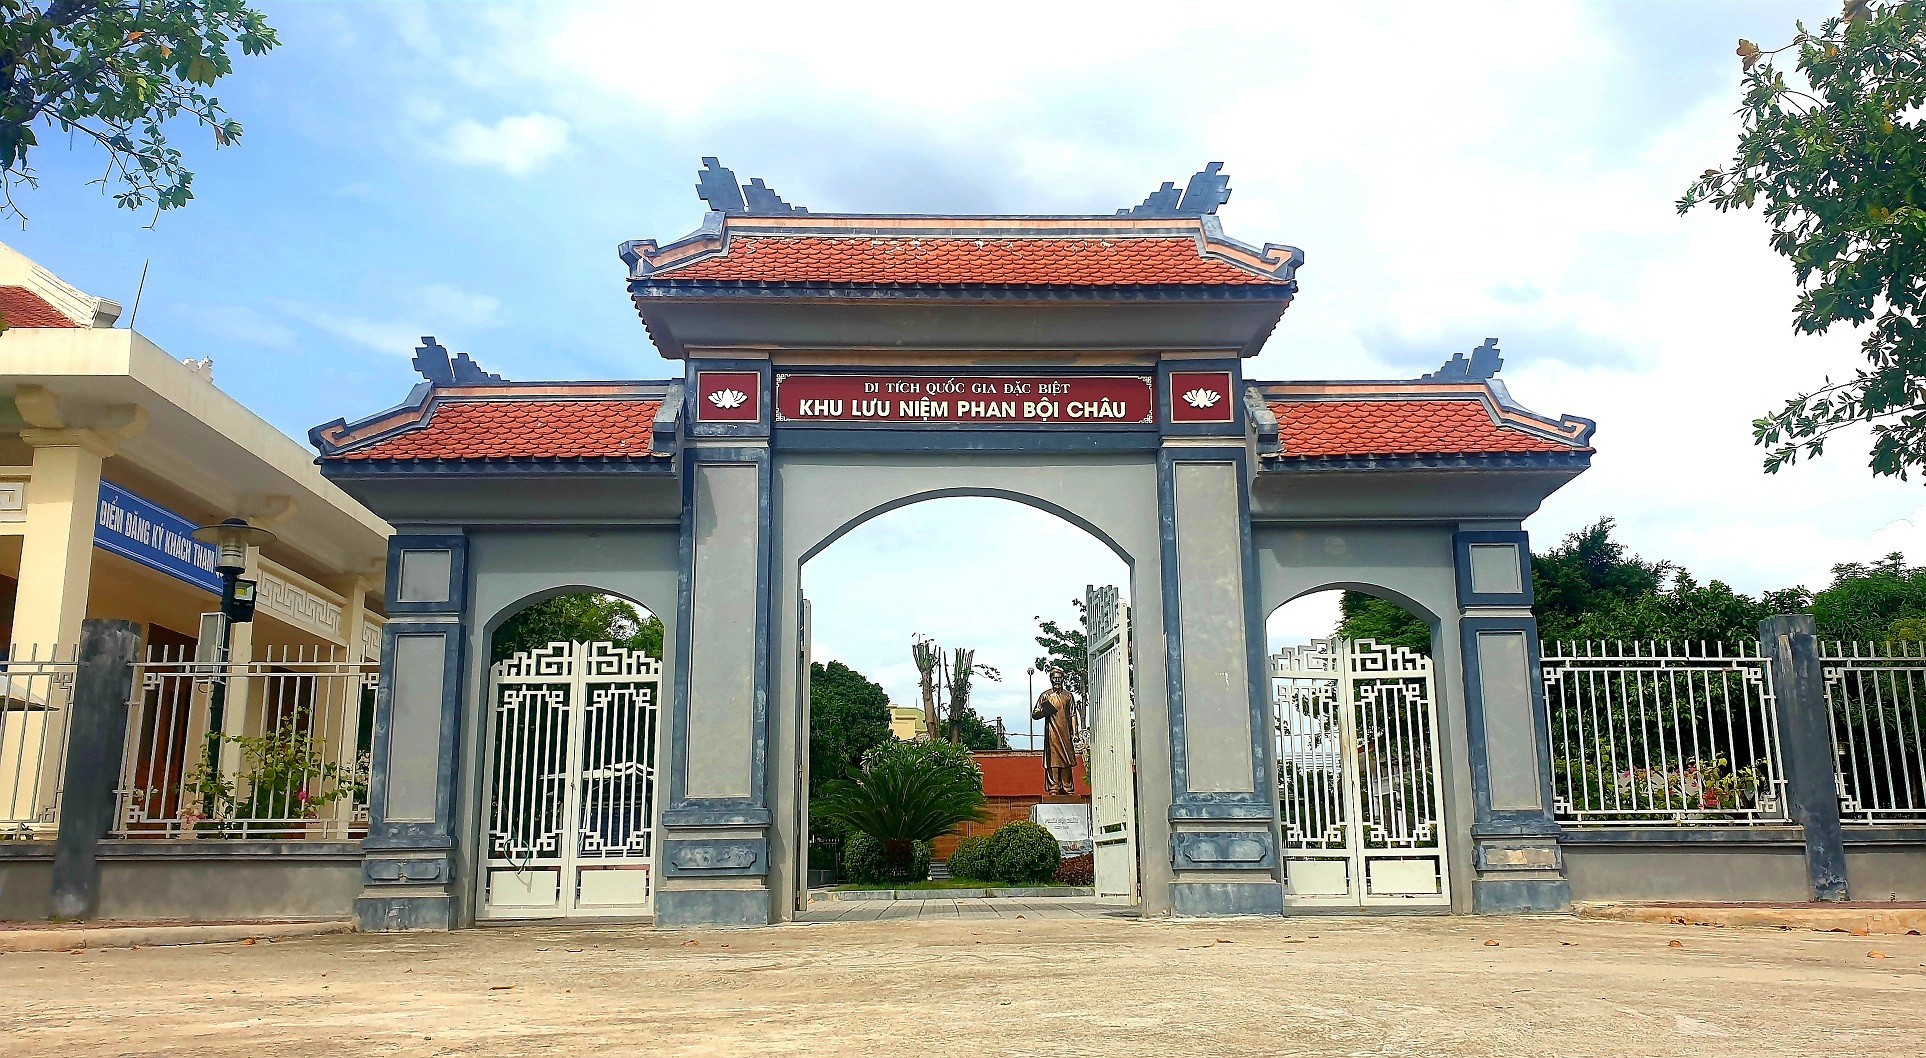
column 1645, row 733
column 36, row 696
column 572, row 778
column 274, row 747
column 1356, row 760
column 1876, row 698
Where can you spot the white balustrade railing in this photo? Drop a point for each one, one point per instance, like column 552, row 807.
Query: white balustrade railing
column 269, row 748
column 36, row 706
column 1876, row 698
column 1662, row 733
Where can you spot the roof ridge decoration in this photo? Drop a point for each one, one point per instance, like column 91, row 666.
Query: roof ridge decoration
column 1208, row 188
column 716, row 185
column 433, row 363
column 1484, row 363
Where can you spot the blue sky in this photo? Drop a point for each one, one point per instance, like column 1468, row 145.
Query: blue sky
column 1453, row 172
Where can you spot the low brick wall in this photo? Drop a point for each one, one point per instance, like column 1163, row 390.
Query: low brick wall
column 1002, row 810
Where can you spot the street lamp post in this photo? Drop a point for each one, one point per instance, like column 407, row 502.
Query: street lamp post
column 1030, row 704
column 230, row 539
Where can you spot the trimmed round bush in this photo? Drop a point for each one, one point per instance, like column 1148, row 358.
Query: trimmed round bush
column 971, row 859
column 1023, row 853
column 866, row 862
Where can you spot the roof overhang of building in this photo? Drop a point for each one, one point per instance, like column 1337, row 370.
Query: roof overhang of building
column 196, row 449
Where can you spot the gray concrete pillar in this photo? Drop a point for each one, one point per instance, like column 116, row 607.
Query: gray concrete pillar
column 96, row 734
column 1223, row 808
column 718, row 863
column 1516, row 859
column 1805, row 748
column 407, row 868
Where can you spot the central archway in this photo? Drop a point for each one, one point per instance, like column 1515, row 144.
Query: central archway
column 822, row 499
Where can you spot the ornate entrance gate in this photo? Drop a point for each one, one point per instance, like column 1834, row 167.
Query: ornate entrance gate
column 1113, row 781
column 1358, row 781
column 571, row 802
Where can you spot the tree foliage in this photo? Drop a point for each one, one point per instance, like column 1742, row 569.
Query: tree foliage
column 967, row 728
column 1590, row 587
column 115, row 73
column 1067, row 649
column 1834, row 153
column 848, row 717
column 1362, row 616
column 1873, row 603
column 579, row 617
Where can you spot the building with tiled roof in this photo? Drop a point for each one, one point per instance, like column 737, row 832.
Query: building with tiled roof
column 835, row 366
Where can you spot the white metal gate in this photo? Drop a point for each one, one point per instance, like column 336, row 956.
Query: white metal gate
column 571, row 807
column 1113, row 780
column 1358, row 781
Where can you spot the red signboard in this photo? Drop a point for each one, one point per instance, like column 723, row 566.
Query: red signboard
column 1053, row 400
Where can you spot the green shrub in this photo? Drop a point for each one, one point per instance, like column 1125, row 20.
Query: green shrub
column 1023, row 853
column 865, row 862
column 971, row 858
column 904, row 796
column 1078, row 870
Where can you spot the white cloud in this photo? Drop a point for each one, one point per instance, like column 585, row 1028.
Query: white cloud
column 437, row 309
column 517, row 146
column 1453, row 172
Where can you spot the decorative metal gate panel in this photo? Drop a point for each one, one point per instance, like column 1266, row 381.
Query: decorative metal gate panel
column 1113, row 780
column 571, row 805
column 1359, row 786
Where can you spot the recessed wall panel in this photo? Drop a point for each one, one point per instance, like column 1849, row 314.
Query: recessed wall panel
column 1511, row 741
column 722, row 632
column 1210, row 594
column 414, row 727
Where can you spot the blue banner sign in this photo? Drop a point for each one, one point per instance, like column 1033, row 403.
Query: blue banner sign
column 153, row 536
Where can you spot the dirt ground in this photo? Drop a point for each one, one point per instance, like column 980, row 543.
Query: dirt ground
column 1090, row 986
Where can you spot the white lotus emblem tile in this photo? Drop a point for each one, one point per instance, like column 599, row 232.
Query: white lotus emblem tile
column 732, row 398
column 1202, row 398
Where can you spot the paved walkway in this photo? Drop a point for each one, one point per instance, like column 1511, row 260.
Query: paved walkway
column 824, row 910
column 1087, row 987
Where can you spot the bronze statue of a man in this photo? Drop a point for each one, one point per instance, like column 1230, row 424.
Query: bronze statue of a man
column 1057, row 708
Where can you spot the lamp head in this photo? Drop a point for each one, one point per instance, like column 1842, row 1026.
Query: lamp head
column 230, row 539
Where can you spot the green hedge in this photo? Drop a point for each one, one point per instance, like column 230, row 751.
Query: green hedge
column 865, row 864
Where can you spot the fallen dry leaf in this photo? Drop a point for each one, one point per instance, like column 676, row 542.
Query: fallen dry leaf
column 1875, row 954
column 1675, row 944
column 1491, row 944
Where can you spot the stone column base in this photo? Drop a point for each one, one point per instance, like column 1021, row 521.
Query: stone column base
column 389, row 912
column 1520, row 875
column 712, row 908
column 1223, row 899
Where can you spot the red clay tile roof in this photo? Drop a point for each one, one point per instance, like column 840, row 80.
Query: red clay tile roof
column 24, row 308
column 1090, row 261
column 525, row 429
column 1329, row 428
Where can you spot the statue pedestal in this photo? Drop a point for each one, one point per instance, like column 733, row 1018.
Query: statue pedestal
column 1064, row 799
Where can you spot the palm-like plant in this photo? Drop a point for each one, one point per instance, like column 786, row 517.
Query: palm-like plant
column 901, row 799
